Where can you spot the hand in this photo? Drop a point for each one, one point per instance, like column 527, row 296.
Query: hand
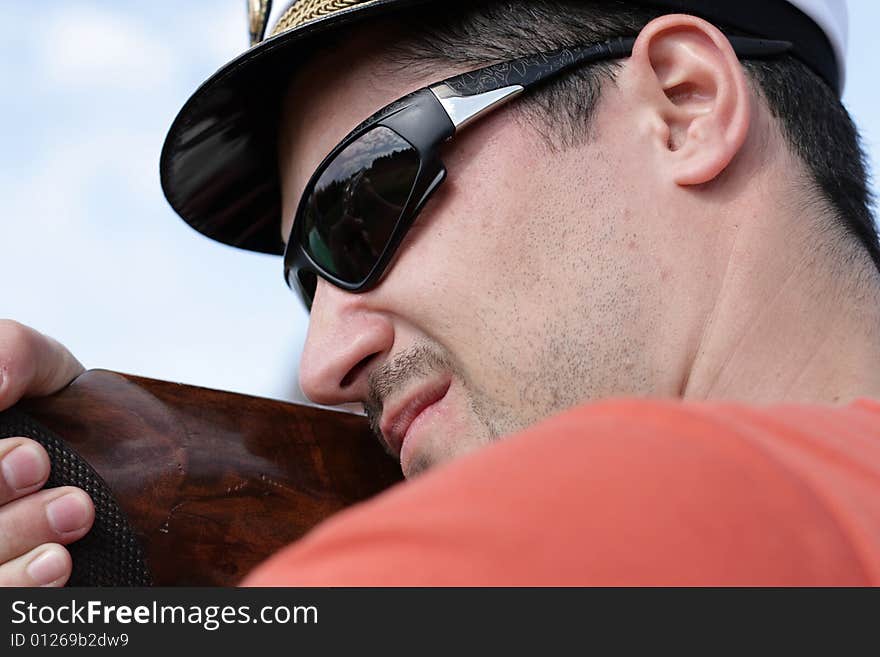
column 35, row 524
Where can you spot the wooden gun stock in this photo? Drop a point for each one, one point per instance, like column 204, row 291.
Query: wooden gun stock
column 195, row 486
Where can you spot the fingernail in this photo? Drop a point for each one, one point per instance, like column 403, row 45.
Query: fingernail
column 24, row 467
column 48, row 567
column 68, row 513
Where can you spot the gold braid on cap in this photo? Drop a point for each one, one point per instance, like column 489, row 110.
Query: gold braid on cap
column 304, row 11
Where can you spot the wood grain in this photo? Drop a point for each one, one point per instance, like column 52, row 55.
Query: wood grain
column 213, row 482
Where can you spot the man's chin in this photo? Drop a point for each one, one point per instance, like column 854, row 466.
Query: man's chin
column 417, row 465
column 436, row 449
column 427, row 450
column 443, row 432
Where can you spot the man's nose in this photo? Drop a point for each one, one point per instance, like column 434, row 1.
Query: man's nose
column 345, row 336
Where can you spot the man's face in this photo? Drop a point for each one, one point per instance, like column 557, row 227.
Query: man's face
column 520, row 290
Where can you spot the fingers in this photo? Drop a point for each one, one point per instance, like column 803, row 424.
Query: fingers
column 24, row 466
column 46, row 565
column 32, row 364
column 30, row 517
column 58, row 515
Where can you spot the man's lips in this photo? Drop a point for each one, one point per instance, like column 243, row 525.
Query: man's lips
column 397, row 419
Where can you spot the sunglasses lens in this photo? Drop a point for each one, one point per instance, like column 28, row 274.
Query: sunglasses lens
column 351, row 212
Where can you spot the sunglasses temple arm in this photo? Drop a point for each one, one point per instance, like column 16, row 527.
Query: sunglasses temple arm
column 531, row 70
column 528, row 71
column 468, row 96
column 747, row 47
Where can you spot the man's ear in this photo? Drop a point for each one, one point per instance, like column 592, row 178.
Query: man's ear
column 687, row 73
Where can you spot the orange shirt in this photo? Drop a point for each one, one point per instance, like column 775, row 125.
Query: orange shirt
column 624, row 492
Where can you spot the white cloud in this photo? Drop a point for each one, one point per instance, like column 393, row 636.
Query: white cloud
column 56, row 191
column 227, row 26
column 86, row 45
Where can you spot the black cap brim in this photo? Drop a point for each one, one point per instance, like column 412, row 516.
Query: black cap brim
column 218, row 164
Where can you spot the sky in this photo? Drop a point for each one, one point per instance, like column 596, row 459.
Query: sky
column 91, row 252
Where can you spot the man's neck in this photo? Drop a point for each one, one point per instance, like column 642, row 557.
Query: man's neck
column 792, row 323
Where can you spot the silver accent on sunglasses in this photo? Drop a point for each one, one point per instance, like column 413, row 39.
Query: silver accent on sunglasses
column 464, row 109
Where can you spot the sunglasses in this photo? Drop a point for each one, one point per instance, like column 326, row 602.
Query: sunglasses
column 360, row 202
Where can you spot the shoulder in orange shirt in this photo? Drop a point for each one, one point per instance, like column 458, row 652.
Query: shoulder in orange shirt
column 626, row 492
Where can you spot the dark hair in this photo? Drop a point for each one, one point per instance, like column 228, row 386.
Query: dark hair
column 813, row 120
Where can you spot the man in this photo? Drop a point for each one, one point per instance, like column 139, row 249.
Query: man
column 659, row 238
